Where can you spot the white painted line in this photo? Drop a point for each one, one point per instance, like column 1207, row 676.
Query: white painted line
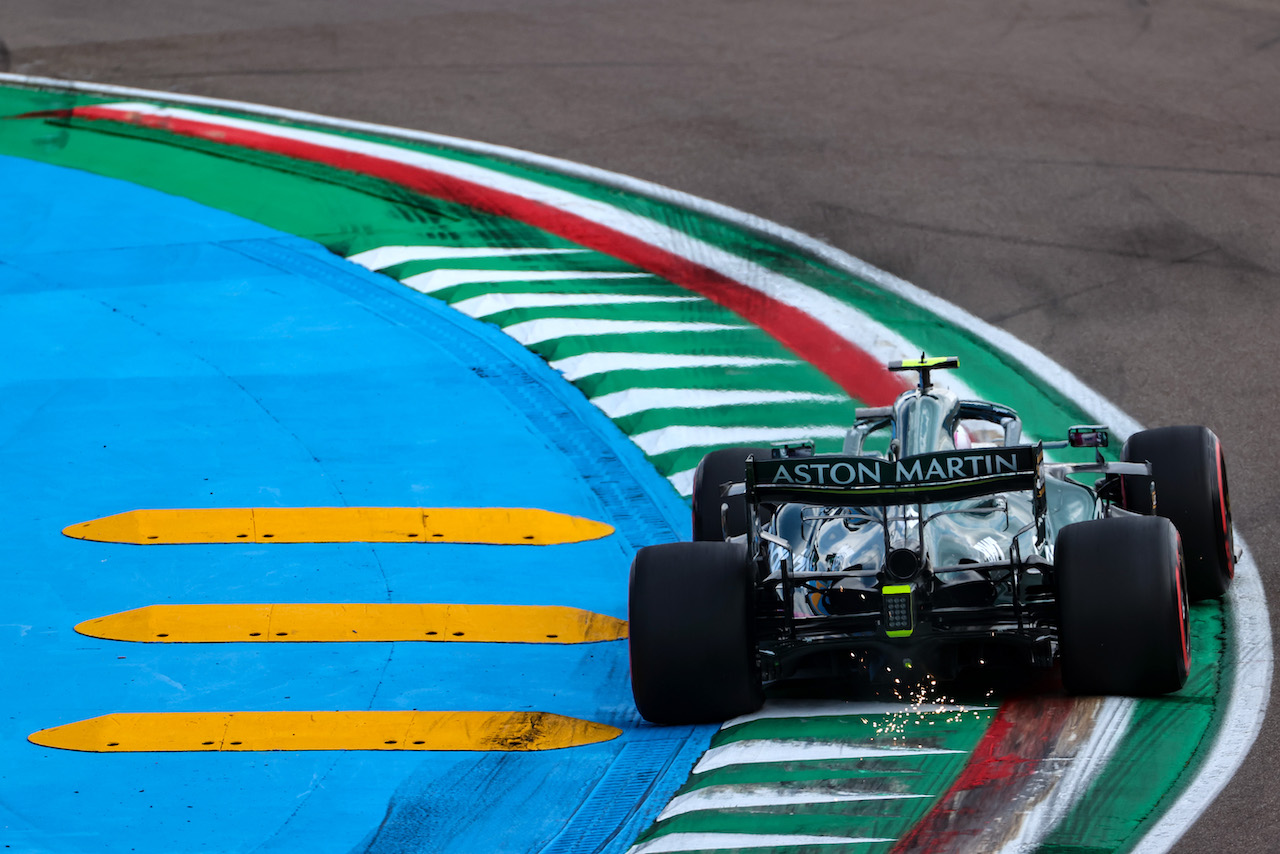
column 775, row 709
column 683, row 481
column 389, row 256
column 437, row 280
column 1250, row 691
column 487, row 304
column 673, row 842
column 747, row 797
column 590, row 364
column 530, row 332
column 662, row 440
column 757, row 751
column 633, row 400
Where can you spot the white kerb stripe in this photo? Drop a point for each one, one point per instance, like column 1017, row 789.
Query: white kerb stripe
column 757, row 751
column 437, row 280
column 530, row 332
column 1250, row 691
column 662, row 440
column 487, row 304
column 746, row 797
column 774, row 709
column 683, row 481
column 881, row 342
column 630, row 401
column 589, row 364
column 389, row 256
column 673, row 842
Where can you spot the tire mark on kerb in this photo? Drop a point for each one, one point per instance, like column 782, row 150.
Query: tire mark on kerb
column 1032, row 765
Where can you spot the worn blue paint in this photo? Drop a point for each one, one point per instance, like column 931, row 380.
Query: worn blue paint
column 156, row 353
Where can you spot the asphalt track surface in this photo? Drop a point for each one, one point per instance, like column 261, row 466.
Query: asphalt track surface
column 1098, row 179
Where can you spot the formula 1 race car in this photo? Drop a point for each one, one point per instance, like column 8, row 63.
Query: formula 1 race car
column 938, row 540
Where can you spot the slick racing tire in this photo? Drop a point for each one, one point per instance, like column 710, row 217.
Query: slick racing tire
column 693, row 654
column 716, row 468
column 1190, row 473
column 1123, row 609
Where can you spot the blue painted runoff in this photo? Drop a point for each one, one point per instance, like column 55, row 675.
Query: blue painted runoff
column 157, row 353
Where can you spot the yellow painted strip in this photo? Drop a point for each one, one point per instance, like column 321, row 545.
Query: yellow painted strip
column 487, row 525
column 356, row 622
column 412, row 730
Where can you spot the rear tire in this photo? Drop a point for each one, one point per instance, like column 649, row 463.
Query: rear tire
column 716, row 468
column 1123, row 613
column 693, row 653
column 1190, row 472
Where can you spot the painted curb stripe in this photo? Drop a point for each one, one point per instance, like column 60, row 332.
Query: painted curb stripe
column 489, row 304
column 438, row 280
column 665, row 439
column 355, row 622
column 787, row 709
column 747, row 797
column 766, row 750
column 621, row 403
column 490, row 525
column 240, row 731
column 590, row 364
column 740, row 841
column 389, row 256
column 530, row 332
column 770, row 301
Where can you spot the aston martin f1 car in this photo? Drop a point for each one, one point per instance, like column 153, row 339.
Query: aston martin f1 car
column 938, row 540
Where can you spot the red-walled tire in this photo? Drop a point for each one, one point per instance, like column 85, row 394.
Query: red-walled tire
column 1190, row 474
column 693, row 652
column 1123, row 610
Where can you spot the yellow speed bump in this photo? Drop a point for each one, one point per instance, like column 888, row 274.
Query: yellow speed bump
column 356, row 622
column 486, row 525
column 413, row 730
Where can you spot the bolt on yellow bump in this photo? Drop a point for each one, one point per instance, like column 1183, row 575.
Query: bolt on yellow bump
column 480, row 525
column 342, row 622
column 398, row 730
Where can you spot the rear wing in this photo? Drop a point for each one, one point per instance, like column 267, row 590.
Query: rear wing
column 874, row 481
